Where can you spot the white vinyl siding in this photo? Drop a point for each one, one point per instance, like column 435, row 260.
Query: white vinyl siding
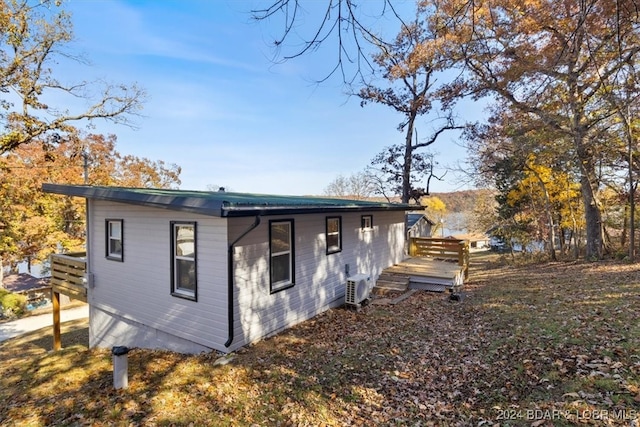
column 140, row 288
column 319, row 279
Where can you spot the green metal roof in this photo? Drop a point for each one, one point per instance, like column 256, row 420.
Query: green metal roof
column 221, row 203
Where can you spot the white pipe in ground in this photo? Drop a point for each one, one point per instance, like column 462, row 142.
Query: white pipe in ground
column 120, row 367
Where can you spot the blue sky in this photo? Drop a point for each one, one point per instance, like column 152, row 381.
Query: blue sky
column 222, row 110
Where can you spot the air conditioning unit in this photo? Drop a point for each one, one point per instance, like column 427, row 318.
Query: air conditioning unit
column 358, row 289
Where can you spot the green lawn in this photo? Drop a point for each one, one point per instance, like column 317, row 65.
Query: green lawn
column 544, row 345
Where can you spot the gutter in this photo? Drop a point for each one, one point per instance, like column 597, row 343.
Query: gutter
column 230, row 281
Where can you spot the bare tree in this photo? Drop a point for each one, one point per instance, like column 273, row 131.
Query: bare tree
column 356, row 186
column 347, row 24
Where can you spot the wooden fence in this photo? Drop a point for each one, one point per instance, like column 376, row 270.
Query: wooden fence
column 446, row 249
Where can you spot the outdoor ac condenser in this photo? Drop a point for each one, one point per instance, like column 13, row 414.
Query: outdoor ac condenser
column 358, row 289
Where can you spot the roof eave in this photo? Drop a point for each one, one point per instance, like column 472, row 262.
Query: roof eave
column 184, row 204
column 204, row 206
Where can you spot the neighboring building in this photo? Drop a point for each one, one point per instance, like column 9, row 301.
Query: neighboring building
column 195, row 271
column 418, row 225
column 477, row 241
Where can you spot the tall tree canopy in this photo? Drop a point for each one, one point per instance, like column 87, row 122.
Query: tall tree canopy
column 34, row 39
column 554, row 60
column 40, row 110
column 570, row 66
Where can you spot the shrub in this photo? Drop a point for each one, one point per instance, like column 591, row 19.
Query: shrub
column 12, row 304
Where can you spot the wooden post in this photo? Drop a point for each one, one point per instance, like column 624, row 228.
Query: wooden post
column 55, row 299
column 464, row 257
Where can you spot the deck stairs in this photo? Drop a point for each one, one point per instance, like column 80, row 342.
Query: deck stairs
column 391, row 282
column 434, row 264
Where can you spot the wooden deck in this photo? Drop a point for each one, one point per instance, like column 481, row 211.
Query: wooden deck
column 421, row 273
column 435, row 265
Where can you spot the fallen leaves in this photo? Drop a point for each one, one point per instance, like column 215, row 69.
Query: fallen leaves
column 531, row 345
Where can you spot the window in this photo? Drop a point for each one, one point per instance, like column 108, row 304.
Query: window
column 114, row 247
column 366, row 222
column 183, row 260
column 334, row 235
column 281, row 252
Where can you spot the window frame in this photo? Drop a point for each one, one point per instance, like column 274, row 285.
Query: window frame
column 363, row 220
column 108, row 238
column 282, row 285
column 177, row 291
column 336, row 248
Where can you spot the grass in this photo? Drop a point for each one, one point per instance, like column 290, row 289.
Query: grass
column 546, row 344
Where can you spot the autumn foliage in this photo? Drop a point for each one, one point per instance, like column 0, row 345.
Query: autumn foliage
column 37, row 224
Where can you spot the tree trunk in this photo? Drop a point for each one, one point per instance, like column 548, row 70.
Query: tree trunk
column 588, row 179
column 593, row 217
column 548, row 208
column 408, row 157
column 632, row 199
column 625, row 225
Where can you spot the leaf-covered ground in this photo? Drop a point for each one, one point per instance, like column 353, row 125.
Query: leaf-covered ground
column 542, row 345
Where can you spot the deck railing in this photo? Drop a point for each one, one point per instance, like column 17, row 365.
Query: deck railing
column 448, row 249
column 68, row 275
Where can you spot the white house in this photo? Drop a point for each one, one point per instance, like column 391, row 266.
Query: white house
column 477, row 241
column 195, row 271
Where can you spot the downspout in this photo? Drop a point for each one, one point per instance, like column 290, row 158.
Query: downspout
column 230, row 280
column 88, row 271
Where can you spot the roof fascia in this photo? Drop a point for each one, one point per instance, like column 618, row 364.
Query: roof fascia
column 282, row 210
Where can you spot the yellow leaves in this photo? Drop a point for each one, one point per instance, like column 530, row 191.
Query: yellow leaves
column 434, row 205
column 559, row 186
column 38, row 223
column 9, row 140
